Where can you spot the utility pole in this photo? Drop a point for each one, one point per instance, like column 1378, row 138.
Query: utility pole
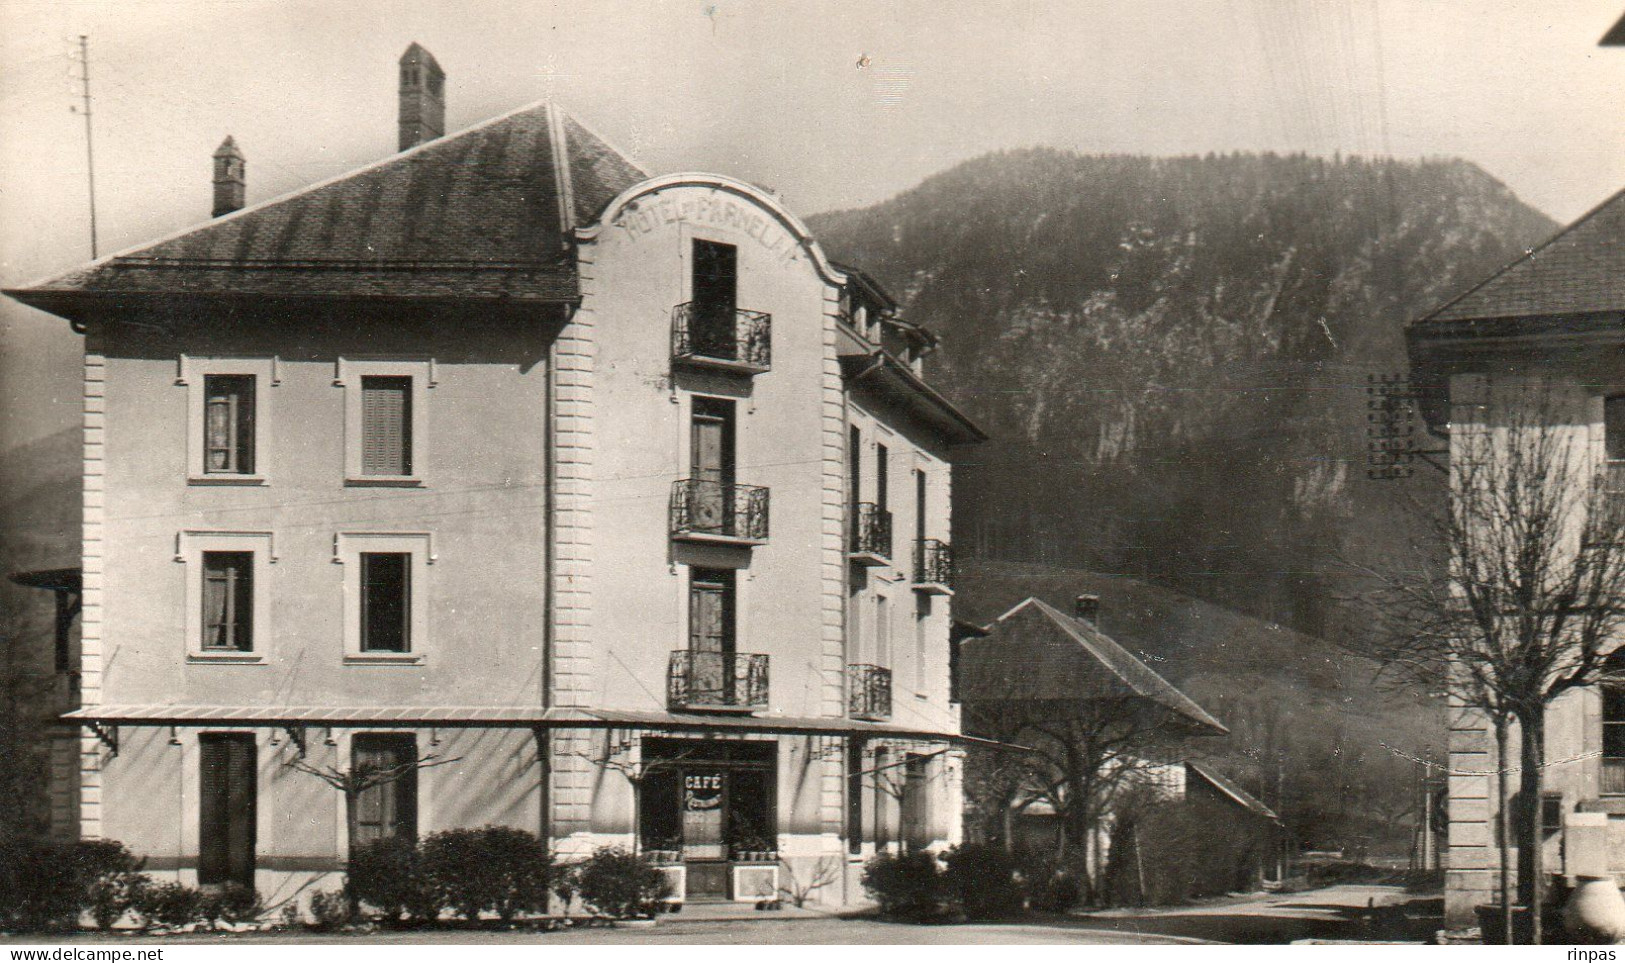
column 90, row 149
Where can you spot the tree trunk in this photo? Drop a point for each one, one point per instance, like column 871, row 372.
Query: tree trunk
column 1503, row 828
column 1532, row 752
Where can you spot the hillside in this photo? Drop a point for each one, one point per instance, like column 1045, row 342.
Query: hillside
column 1171, row 354
column 1310, row 728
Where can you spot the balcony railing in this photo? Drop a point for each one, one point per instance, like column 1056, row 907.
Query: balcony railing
column 726, row 338
column 871, row 535
column 706, row 510
column 868, row 692
column 1613, row 776
column 716, row 680
column 933, row 566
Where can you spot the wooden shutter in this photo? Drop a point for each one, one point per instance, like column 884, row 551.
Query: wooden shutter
column 388, row 809
column 226, row 808
column 386, row 426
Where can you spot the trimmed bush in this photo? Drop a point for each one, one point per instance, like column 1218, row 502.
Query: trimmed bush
column 982, row 880
column 169, row 904
column 39, row 887
column 231, row 903
column 109, row 879
column 492, row 868
column 909, row 886
column 388, row 875
column 329, row 911
column 620, row 884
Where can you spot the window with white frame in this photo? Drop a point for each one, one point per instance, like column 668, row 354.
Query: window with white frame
column 384, row 420
column 228, row 418
column 386, row 590
column 227, row 594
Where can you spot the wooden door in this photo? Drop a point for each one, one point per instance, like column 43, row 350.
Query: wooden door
column 711, row 466
column 711, row 636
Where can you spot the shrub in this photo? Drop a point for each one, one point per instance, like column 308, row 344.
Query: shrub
column 231, row 903
column 108, row 879
column 170, row 904
column 565, row 886
column 982, row 880
column 329, row 910
column 1054, row 890
column 388, row 875
column 909, row 886
column 619, row 884
column 492, row 868
column 39, row 888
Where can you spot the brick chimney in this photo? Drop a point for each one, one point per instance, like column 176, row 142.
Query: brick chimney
column 230, row 178
column 1086, row 608
column 423, row 97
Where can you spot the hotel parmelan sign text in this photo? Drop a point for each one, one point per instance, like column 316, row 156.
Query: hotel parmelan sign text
column 655, row 212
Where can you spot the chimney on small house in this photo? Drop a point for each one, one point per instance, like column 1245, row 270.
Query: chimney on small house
column 1086, row 608
column 423, row 97
column 230, row 178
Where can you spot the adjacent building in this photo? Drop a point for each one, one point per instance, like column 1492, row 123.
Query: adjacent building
column 607, row 493
column 1546, row 330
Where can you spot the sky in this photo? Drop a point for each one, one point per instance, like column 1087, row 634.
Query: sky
column 832, row 103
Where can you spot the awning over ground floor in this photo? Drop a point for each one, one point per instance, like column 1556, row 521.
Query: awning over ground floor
column 103, row 717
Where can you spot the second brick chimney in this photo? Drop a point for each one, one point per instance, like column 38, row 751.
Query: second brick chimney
column 1086, row 608
column 423, row 97
column 230, row 178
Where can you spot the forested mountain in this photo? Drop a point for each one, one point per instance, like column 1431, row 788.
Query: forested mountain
column 1171, row 354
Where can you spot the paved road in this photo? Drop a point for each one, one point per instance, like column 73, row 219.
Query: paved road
column 1336, row 912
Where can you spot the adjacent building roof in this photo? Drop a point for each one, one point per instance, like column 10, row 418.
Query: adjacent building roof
column 1224, row 787
column 1037, row 652
column 479, row 214
column 1578, row 271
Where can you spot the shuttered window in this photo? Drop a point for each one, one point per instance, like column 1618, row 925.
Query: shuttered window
column 389, row 808
column 228, row 601
column 226, row 810
column 386, row 425
column 386, row 601
column 228, row 424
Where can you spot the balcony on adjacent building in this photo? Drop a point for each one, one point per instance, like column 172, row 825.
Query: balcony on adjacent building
column 731, row 339
column 703, row 510
column 868, row 692
column 870, row 535
column 933, row 567
column 716, row 681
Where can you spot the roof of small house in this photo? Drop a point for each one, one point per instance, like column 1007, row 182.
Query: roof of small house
column 1037, row 652
column 1578, row 271
column 479, row 214
column 1230, row 790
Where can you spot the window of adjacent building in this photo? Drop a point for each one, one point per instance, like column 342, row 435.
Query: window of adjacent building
column 922, row 622
column 882, row 482
column 228, row 424
column 914, row 804
column 386, row 425
column 389, row 808
column 1613, row 739
column 228, row 601
column 226, row 810
column 882, row 631
column 386, row 601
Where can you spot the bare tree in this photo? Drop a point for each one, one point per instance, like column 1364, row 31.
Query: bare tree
column 635, row 768
column 1525, row 594
column 1079, row 754
column 824, row 873
column 356, row 780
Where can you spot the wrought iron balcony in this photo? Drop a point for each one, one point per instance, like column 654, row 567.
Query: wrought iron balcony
column 716, row 680
column 735, row 339
column 933, row 567
column 868, row 692
column 703, row 510
column 871, row 535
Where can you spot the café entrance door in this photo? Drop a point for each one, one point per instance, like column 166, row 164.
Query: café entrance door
column 712, row 803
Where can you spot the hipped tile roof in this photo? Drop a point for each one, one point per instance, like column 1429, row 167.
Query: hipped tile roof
column 1578, row 271
column 479, row 214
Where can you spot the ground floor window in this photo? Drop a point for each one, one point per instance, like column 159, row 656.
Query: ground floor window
column 1613, row 739
column 710, row 805
column 389, row 808
column 226, row 811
